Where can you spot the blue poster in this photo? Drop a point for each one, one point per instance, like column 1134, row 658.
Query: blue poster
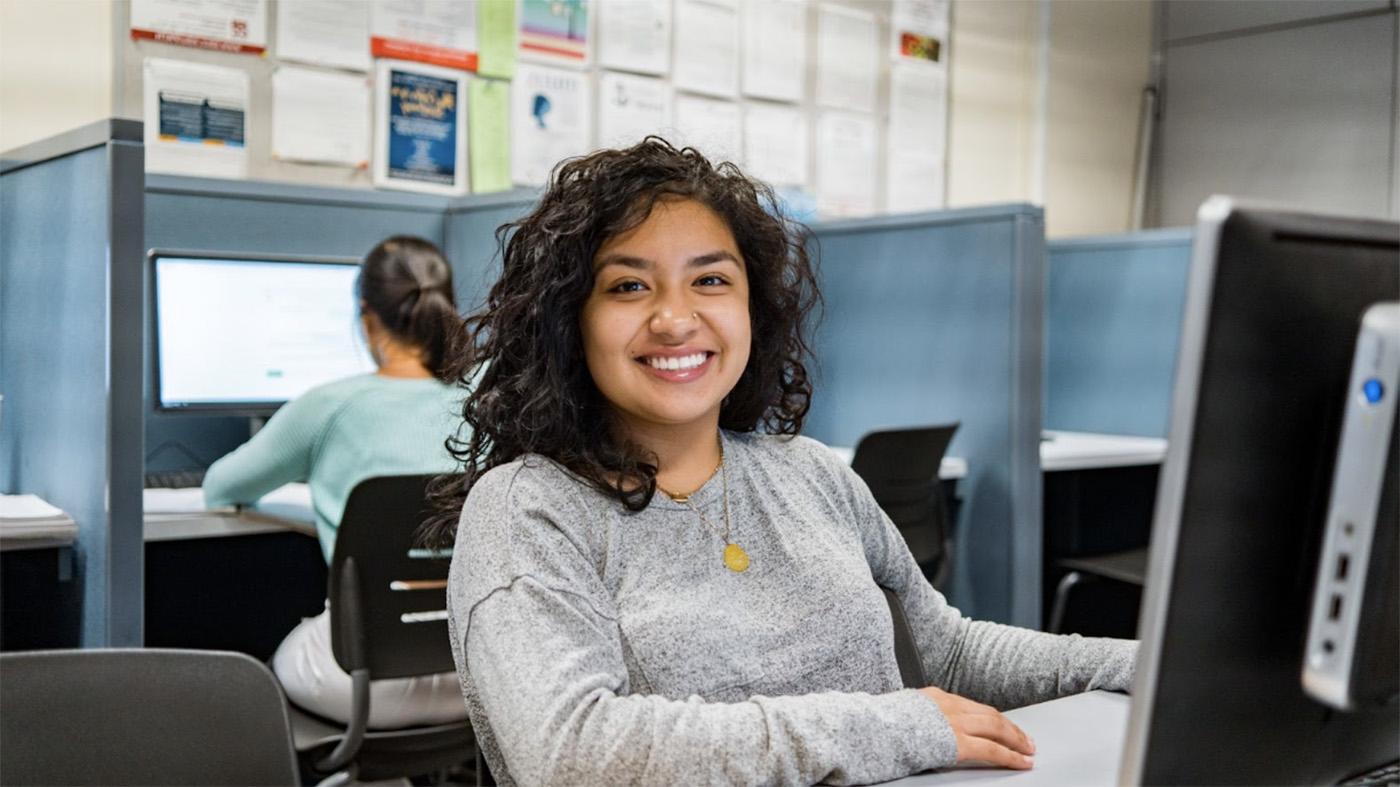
column 422, row 128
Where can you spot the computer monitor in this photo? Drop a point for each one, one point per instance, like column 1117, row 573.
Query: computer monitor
column 1274, row 303
column 242, row 334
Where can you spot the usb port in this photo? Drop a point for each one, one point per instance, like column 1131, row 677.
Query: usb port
column 1336, row 610
column 1343, row 563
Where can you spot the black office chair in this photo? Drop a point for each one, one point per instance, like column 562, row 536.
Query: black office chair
column 906, row 653
column 388, row 620
column 901, row 468
column 1127, row 567
column 142, row 716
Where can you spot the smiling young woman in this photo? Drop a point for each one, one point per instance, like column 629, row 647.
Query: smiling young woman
column 654, row 578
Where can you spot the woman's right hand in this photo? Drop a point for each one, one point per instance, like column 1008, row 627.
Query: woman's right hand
column 983, row 734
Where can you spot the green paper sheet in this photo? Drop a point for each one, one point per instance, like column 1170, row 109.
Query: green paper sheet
column 495, row 35
column 488, row 120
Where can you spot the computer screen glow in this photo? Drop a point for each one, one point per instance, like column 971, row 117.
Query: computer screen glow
column 258, row 332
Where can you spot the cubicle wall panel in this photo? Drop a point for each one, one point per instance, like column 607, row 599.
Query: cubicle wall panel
column 908, row 334
column 269, row 223
column 471, row 245
column 53, row 365
column 279, row 226
column 1302, row 115
column 1113, row 323
column 921, row 326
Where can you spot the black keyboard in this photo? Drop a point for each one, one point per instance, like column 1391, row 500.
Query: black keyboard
column 1384, row 775
column 174, row 479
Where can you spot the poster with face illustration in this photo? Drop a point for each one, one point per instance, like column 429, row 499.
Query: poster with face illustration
column 550, row 120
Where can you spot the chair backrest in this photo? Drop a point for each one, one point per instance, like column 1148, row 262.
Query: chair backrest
column 901, row 468
column 119, row 717
column 906, row 653
column 388, row 597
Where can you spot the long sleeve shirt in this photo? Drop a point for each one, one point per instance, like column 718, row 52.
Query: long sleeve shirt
column 337, row 435
column 601, row 646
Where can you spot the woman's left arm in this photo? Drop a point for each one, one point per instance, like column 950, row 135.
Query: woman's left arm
column 1002, row 666
column 278, row 454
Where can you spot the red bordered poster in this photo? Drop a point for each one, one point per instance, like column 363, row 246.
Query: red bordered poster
column 437, row 32
column 223, row 25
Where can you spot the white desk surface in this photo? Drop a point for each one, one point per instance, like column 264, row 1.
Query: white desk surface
column 1068, row 451
column 952, row 468
column 1078, row 743
column 177, row 514
column 1087, row 451
column 29, row 522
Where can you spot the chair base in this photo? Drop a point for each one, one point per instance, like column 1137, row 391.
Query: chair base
column 385, row 754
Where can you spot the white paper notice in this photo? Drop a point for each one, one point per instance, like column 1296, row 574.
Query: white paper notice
column 916, row 168
column 775, row 49
column 630, row 107
column 707, row 47
column 919, row 31
column 550, row 118
column 224, row 25
column 320, row 116
column 437, row 32
column 331, row 33
column 709, row 125
column 635, row 35
column 195, row 118
column 848, row 58
column 775, row 144
column 847, row 150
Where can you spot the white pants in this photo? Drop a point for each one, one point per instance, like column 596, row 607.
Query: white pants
column 306, row 666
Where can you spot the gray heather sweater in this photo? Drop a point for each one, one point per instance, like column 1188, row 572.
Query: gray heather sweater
column 598, row 646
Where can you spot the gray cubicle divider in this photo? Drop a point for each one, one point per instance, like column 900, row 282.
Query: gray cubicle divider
column 272, row 218
column 470, row 230
column 70, row 354
column 1113, row 322
column 937, row 317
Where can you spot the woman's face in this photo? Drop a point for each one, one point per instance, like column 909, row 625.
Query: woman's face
column 666, row 326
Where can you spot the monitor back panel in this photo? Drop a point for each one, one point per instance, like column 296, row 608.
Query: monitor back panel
column 1286, row 300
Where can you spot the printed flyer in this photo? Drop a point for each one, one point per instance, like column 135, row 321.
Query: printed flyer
column 222, row 25
column 555, row 31
column 420, row 133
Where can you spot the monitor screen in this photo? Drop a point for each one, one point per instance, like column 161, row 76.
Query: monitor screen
column 1274, row 305
column 242, row 334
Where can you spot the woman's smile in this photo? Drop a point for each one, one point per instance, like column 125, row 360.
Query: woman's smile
column 678, row 367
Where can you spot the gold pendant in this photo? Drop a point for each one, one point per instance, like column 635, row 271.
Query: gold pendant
column 735, row 558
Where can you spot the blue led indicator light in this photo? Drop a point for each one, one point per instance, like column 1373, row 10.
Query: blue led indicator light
column 1373, row 390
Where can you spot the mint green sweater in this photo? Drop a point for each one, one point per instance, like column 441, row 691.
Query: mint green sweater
column 337, row 435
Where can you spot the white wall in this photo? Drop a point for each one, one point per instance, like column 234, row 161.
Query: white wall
column 992, row 89
column 56, row 67
column 1099, row 57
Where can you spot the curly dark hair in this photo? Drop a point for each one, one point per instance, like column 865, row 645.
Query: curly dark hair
column 530, row 391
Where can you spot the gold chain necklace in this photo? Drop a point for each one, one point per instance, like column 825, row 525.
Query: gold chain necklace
column 735, row 558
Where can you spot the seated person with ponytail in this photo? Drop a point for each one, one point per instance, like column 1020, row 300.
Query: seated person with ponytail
column 391, row 422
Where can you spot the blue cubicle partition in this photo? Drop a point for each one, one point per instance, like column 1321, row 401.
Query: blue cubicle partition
column 271, row 218
column 933, row 318
column 1113, row 322
column 929, row 317
column 70, row 354
column 470, row 240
